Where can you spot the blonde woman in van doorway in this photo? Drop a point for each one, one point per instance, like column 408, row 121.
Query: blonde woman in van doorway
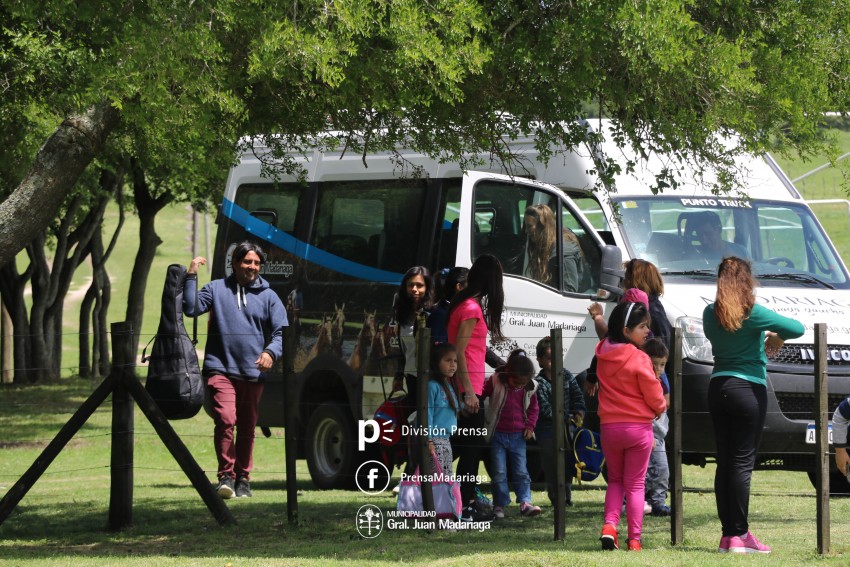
column 740, row 331
column 541, row 252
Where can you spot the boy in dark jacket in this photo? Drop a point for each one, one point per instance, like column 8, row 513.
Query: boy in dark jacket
column 573, row 405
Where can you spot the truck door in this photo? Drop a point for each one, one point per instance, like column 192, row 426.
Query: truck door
column 549, row 253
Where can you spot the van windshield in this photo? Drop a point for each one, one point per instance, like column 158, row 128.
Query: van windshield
column 687, row 237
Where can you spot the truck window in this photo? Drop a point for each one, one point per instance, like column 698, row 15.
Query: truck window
column 581, row 256
column 781, row 235
column 519, row 225
column 498, row 228
column 784, row 241
column 373, row 223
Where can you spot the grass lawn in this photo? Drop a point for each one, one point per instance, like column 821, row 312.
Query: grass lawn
column 62, row 520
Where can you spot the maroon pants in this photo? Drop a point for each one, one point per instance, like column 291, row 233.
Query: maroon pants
column 235, row 404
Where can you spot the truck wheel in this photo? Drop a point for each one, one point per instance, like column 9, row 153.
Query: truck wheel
column 838, row 484
column 331, row 446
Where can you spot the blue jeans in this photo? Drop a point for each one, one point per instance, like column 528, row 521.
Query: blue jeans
column 657, row 475
column 511, row 446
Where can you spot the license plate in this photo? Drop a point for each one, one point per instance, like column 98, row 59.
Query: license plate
column 810, row 434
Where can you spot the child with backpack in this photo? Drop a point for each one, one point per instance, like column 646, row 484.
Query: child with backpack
column 573, row 405
column 630, row 397
column 510, row 420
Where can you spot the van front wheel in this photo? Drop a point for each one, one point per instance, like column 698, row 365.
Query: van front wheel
column 331, row 446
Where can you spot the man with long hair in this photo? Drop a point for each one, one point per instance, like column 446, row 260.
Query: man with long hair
column 245, row 338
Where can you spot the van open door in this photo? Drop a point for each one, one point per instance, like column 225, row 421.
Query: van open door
column 552, row 258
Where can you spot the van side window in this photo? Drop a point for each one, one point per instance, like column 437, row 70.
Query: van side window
column 447, row 232
column 373, row 223
column 592, row 211
column 275, row 205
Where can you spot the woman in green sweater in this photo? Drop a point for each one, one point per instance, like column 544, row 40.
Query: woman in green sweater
column 741, row 333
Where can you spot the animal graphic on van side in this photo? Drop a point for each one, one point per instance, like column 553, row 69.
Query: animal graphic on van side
column 337, row 329
column 324, row 332
column 381, row 343
column 365, row 339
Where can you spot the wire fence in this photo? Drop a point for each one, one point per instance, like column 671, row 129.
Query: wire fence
column 345, row 440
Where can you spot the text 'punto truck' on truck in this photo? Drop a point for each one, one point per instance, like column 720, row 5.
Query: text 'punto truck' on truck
column 339, row 243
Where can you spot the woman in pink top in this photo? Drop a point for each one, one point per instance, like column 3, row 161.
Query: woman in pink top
column 630, row 397
column 475, row 311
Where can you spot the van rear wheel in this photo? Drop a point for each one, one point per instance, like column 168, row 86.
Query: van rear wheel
column 838, row 484
column 331, row 446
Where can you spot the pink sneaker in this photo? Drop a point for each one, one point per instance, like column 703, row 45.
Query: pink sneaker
column 529, row 509
column 747, row 543
column 724, row 544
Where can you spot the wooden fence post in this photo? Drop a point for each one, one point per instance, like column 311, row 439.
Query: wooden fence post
column 123, row 406
column 291, row 417
column 821, row 439
column 423, row 355
column 559, row 437
column 47, row 456
column 674, row 412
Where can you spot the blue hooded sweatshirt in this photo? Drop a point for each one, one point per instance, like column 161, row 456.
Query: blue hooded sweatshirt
column 244, row 322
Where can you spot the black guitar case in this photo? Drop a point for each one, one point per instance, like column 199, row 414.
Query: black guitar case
column 174, row 376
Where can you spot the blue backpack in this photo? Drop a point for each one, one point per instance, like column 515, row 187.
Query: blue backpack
column 587, row 457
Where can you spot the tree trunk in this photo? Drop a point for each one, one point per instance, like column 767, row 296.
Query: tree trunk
column 8, row 368
column 37, row 362
column 52, row 280
column 147, row 207
column 54, row 172
column 12, row 286
column 100, row 353
column 84, row 367
column 94, row 346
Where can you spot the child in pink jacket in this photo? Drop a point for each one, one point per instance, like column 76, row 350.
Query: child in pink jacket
column 630, row 397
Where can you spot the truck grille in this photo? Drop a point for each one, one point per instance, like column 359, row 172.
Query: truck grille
column 802, row 406
column 804, row 354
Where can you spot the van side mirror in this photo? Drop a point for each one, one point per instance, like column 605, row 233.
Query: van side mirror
column 611, row 270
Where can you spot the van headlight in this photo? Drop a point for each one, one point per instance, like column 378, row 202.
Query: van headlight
column 695, row 345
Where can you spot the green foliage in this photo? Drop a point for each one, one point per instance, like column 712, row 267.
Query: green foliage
column 445, row 77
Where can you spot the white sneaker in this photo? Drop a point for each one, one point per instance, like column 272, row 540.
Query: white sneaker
column 647, row 508
column 397, row 489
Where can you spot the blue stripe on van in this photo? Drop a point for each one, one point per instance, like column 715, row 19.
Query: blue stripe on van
column 301, row 249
